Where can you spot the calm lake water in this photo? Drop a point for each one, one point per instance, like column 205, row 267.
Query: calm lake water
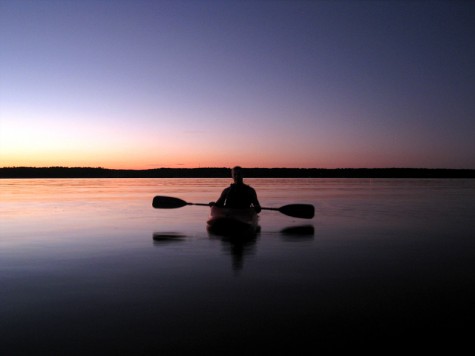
column 88, row 266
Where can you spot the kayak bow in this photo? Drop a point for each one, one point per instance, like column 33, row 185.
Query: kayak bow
column 227, row 221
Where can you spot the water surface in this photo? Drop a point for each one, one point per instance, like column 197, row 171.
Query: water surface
column 87, row 265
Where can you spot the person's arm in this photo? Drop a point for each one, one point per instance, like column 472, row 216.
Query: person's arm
column 255, row 201
column 222, row 198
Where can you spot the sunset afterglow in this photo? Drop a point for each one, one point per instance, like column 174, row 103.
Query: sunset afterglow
column 148, row 84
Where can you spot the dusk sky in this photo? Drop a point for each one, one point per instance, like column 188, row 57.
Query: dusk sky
column 323, row 84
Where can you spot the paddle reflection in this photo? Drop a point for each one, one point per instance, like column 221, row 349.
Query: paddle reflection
column 296, row 233
column 162, row 238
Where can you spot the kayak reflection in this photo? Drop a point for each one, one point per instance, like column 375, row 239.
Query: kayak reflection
column 237, row 229
column 238, row 246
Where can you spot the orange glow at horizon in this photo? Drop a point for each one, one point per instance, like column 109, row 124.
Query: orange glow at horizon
column 27, row 140
column 53, row 142
column 216, row 85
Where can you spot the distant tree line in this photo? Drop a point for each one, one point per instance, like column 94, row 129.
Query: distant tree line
column 99, row 172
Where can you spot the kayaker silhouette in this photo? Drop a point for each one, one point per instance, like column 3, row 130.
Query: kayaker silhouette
column 238, row 195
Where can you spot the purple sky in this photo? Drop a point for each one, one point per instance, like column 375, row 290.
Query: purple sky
column 143, row 84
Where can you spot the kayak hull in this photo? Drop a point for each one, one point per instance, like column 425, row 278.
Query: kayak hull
column 226, row 221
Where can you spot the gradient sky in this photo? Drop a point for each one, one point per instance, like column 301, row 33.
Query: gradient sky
column 146, row 84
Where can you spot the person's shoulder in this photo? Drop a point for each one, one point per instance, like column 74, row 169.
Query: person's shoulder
column 248, row 187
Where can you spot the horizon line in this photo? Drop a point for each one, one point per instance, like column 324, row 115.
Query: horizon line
column 216, row 167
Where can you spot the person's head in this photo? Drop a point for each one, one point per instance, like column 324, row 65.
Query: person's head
column 237, row 174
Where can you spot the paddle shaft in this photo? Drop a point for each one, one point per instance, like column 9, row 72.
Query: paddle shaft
column 202, row 204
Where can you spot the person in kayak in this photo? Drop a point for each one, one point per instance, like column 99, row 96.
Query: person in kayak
column 238, row 195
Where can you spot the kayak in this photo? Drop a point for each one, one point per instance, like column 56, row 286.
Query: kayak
column 227, row 221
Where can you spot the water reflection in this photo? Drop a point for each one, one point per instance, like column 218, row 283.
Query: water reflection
column 297, row 233
column 73, row 251
column 238, row 246
column 241, row 245
column 162, row 238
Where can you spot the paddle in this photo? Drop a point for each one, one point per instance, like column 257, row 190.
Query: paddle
column 304, row 211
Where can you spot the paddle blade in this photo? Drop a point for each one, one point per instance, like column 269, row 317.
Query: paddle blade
column 162, row 202
column 304, row 211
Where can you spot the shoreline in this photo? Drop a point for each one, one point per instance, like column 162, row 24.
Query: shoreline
column 89, row 172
